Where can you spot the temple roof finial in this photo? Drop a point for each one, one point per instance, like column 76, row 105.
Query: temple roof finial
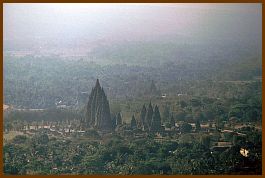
column 97, row 84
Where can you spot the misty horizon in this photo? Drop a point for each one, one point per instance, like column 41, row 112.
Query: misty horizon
column 82, row 25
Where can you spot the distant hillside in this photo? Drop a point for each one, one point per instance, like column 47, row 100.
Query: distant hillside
column 177, row 50
column 40, row 82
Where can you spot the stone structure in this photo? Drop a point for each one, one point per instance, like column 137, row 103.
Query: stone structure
column 98, row 110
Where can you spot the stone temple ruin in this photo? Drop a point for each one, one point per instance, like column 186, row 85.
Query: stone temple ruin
column 98, row 110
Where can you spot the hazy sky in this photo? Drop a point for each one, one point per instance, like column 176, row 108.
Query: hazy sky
column 31, row 22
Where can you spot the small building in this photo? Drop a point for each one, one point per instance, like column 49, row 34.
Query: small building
column 61, row 106
column 221, row 146
column 193, row 125
column 224, row 144
column 180, row 94
column 5, row 107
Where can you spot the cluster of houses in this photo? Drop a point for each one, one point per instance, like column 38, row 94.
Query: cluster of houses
column 165, row 134
column 52, row 130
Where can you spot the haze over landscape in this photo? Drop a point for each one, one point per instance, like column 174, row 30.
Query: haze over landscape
column 167, row 89
column 50, row 26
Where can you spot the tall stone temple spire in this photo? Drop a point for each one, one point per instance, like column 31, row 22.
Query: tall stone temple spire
column 98, row 110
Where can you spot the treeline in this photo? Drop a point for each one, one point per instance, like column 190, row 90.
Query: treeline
column 41, row 82
column 53, row 114
column 245, row 108
column 15, row 120
column 45, row 155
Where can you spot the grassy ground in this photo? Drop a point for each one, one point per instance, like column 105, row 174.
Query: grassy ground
column 10, row 135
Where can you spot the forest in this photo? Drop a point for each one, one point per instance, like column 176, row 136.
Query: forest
column 31, row 82
column 43, row 155
column 56, row 93
column 142, row 89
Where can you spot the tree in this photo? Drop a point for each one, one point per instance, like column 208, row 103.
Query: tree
column 92, row 133
column 185, row 127
column 195, row 102
column 41, row 138
column 19, row 139
column 180, row 116
column 205, row 140
column 219, row 123
column 172, row 121
column 199, row 116
column 197, row 125
column 183, row 104
column 8, row 126
column 153, row 91
column 166, row 113
column 208, row 114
